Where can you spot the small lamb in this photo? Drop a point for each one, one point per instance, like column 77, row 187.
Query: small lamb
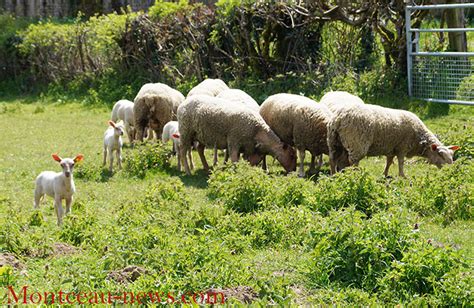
column 113, row 142
column 59, row 185
column 171, row 131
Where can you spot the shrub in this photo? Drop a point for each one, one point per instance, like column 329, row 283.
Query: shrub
column 240, row 187
column 166, row 191
column 352, row 187
column 147, row 157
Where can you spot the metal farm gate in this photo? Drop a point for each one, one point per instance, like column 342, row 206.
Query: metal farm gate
column 445, row 77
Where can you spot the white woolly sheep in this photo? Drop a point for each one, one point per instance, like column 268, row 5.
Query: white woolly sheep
column 123, row 110
column 299, row 122
column 155, row 104
column 171, row 131
column 59, row 185
column 113, row 143
column 214, row 122
column 210, row 87
column 239, row 96
column 335, row 100
column 370, row 130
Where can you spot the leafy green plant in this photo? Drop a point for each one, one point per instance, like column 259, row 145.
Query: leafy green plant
column 147, row 157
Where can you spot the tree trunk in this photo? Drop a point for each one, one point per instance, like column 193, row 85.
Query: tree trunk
column 455, row 19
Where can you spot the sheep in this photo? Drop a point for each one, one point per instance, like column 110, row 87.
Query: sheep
column 239, row 96
column 300, row 122
column 370, row 130
column 210, row 87
column 123, row 110
column 59, row 185
column 171, row 131
column 113, row 143
column 155, row 104
column 335, row 100
column 215, row 122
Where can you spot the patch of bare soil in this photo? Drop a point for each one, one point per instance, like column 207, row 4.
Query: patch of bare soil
column 244, row 294
column 126, row 275
column 10, row 259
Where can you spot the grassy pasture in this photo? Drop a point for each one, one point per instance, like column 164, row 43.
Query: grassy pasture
column 186, row 239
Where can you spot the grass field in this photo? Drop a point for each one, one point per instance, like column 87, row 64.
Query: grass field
column 185, row 234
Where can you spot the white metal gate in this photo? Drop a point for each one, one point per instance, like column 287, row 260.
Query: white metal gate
column 445, row 77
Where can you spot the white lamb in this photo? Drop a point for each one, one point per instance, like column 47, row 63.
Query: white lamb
column 171, row 131
column 59, row 185
column 123, row 110
column 113, row 143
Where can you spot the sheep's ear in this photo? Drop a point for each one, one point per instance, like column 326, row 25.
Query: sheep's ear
column 454, row 147
column 57, row 158
column 79, row 157
column 175, row 136
column 112, row 123
column 434, row 147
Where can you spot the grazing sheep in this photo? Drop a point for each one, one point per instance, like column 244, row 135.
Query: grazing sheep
column 123, row 110
column 59, row 185
column 171, row 131
column 239, row 96
column 334, row 100
column 209, row 87
column 155, row 105
column 214, row 122
column 299, row 122
column 370, row 130
column 113, row 143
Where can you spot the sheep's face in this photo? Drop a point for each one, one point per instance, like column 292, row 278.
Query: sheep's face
column 118, row 128
column 287, row 158
column 439, row 155
column 67, row 164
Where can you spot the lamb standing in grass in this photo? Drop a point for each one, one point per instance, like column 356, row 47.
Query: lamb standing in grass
column 370, row 130
column 171, row 131
column 155, row 105
column 59, row 185
column 215, row 122
column 123, row 110
column 113, row 143
column 300, row 122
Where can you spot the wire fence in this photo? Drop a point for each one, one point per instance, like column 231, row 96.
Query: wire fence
column 443, row 78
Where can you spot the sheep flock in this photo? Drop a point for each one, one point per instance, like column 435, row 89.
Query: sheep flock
column 284, row 126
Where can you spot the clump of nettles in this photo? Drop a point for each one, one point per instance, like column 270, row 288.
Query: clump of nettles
column 147, row 157
column 90, row 172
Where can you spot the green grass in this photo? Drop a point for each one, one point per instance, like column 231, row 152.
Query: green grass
column 185, row 239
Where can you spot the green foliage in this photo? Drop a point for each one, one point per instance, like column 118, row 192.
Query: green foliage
column 36, row 219
column 163, row 8
column 166, row 191
column 147, row 157
column 466, row 88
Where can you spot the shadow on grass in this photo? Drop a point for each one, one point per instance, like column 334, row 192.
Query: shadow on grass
column 197, row 179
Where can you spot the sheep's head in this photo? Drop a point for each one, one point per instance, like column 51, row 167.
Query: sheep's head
column 68, row 163
column 118, row 128
column 287, row 157
column 439, row 155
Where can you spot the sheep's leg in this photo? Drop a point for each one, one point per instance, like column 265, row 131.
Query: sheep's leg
column 182, row 153
column 226, row 156
column 68, row 205
column 140, row 133
column 119, row 159
column 301, row 155
column 401, row 160
column 234, row 155
column 215, row 156
column 59, row 209
column 105, row 157
column 38, row 195
column 128, row 129
column 111, row 160
column 178, row 156
column 200, row 150
column 264, row 162
column 190, row 154
column 388, row 164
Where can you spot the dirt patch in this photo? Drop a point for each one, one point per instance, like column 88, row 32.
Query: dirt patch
column 126, row 275
column 63, row 249
column 244, row 294
column 11, row 260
